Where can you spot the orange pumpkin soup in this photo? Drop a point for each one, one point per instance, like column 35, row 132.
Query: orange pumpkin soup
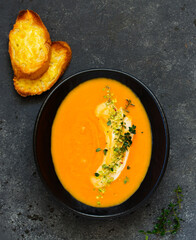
column 101, row 142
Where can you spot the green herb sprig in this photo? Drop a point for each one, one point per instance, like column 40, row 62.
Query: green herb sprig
column 169, row 220
column 129, row 103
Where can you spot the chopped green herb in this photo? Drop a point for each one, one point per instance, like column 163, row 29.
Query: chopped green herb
column 111, row 179
column 128, row 167
column 98, row 149
column 96, row 174
column 123, row 124
column 126, row 180
column 105, row 151
column 104, row 166
column 132, row 129
column 116, row 149
column 102, row 190
column 109, row 123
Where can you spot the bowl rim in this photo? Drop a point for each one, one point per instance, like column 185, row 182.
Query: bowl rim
column 166, row 153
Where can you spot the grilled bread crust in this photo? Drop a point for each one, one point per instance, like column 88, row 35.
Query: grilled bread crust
column 29, row 46
column 60, row 58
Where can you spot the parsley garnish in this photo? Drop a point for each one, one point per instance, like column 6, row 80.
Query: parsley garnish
column 96, row 174
column 169, row 220
column 128, row 167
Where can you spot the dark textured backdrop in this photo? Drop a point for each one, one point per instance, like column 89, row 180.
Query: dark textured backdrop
column 154, row 40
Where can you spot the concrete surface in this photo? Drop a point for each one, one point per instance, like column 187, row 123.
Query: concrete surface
column 154, row 40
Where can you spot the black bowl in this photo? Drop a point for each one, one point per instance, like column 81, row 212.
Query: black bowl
column 160, row 146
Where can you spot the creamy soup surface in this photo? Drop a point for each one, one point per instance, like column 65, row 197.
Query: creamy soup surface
column 101, row 142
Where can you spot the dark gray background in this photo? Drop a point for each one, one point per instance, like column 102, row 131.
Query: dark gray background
column 154, row 40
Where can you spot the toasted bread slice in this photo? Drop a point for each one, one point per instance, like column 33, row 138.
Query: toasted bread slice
column 60, row 58
column 29, row 46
